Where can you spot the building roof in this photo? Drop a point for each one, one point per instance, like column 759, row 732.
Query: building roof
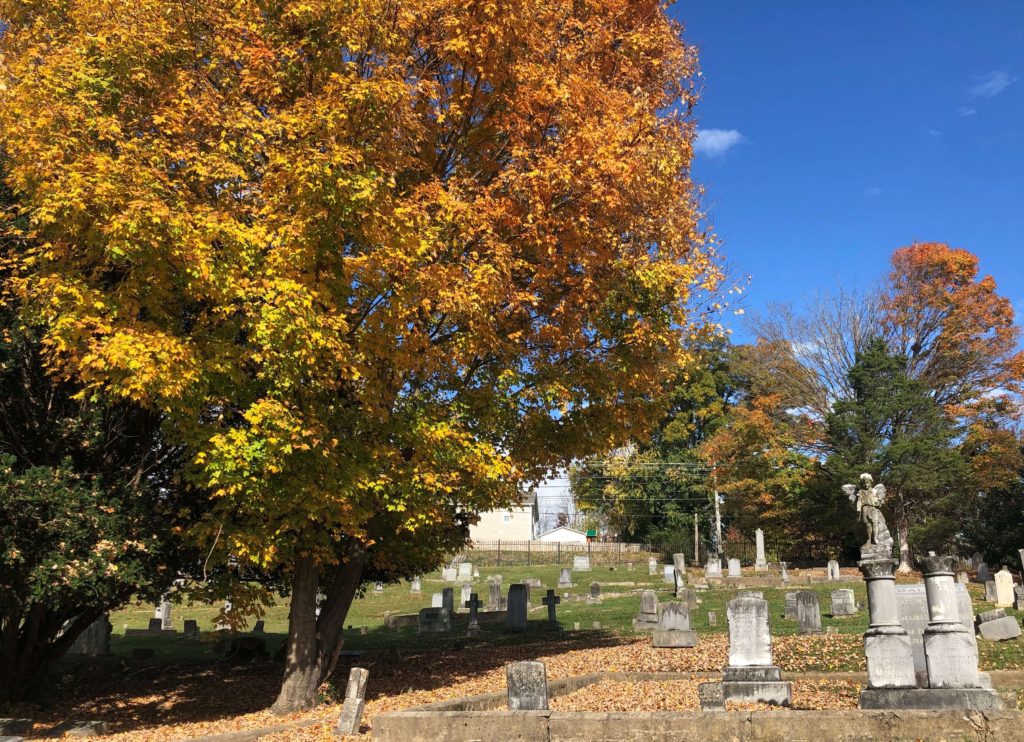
column 563, row 528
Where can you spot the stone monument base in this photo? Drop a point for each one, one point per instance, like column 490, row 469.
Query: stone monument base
column 873, row 552
column 645, row 624
column 936, row 699
column 674, row 638
column 763, row 684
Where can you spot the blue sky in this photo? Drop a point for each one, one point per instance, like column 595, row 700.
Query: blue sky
column 835, row 132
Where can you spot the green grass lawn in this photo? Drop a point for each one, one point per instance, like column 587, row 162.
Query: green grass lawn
column 620, row 602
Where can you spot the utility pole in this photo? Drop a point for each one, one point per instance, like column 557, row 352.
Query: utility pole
column 718, row 512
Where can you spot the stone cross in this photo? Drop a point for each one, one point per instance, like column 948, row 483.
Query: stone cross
column 551, row 600
column 527, row 685
column 473, row 603
column 355, row 700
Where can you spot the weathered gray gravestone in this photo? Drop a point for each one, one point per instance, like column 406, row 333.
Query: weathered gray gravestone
column 515, row 618
column 259, row 627
column 760, row 563
column 647, row 618
column 808, row 612
column 1018, row 597
column 466, row 571
column 912, row 611
column 843, row 603
column 833, row 570
column 996, row 626
column 95, row 640
column 734, row 568
column 448, row 599
column 467, row 590
column 449, row 574
column 712, row 618
column 750, row 594
column 674, row 627
column 680, row 582
column 164, row 613
column 1004, row 588
column 668, row 574
column 435, row 621
column 887, row 647
column 689, row 596
column 1020, row 553
column 713, row 568
column 595, row 592
column 581, row 564
column 191, row 627
column 565, row 578
column 416, row 586
column 990, row 591
column 711, row 697
column 983, row 574
column 679, row 562
column 473, row 603
column 355, row 699
column 527, row 686
column 437, row 600
column 790, row 610
column 156, row 624
column 495, row 600
column 551, row 600
column 751, row 676
column 783, row 568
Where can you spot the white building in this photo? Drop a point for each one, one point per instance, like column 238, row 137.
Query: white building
column 564, row 535
column 516, row 523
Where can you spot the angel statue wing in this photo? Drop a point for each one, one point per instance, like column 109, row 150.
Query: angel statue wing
column 851, row 491
column 879, row 490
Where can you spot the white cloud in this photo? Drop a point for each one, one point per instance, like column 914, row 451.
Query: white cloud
column 934, row 133
column 992, row 84
column 716, row 142
column 872, row 191
column 966, row 111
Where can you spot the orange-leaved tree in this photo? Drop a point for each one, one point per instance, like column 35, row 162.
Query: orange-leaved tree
column 374, row 260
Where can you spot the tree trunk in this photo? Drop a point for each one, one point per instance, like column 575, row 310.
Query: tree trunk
column 314, row 643
column 902, row 533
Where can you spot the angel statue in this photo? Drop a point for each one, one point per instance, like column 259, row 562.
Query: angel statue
column 869, row 499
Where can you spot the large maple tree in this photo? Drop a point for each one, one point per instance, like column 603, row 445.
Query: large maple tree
column 374, row 261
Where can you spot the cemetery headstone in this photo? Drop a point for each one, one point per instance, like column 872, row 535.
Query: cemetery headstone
column 448, row 599
column 259, row 627
column 679, row 562
column 962, row 578
column 668, row 574
column 476, row 573
column 983, row 573
column 595, row 592
column 760, row 563
column 912, row 612
column 466, row 571
column 808, row 612
column 784, row 571
column 449, row 574
column 565, row 578
column 156, row 624
column 750, row 675
column 790, row 609
column 843, row 603
column 416, row 586
column 713, row 569
column 1004, row 588
column 711, row 697
column 990, row 591
column 435, row 621
column 437, row 600
column 652, row 566
column 712, row 618
column 191, row 627
column 647, row 618
column 467, row 590
column 527, row 686
column 378, row 588
column 473, row 603
column 515, row 618
column 976, row 560
column 355, row 699
column 166, row 623
column 551, row 600
column 581, row 564
column 833, row 570
column 750, row 594
column 734, row 568
column 495, row 600
column 1018, row 598
column 95, row 640
column 674, row 627
column 996, row 626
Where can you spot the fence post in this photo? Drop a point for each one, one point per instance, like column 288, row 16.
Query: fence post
column 528, row 545
column 589, row 555
column 558, row 557
column 499, row 552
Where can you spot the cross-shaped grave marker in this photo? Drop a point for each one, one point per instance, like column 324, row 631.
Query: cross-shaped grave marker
column 474, row 605
column 551, row 601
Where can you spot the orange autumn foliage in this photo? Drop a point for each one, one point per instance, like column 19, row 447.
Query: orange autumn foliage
column 368, row 257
